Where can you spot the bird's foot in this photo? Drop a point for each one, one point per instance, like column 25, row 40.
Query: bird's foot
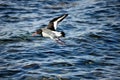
column 60, row 41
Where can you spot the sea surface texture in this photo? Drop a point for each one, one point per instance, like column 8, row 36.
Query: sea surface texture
column 92, row 42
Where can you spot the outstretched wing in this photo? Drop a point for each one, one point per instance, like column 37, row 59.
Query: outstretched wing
column 53, row 23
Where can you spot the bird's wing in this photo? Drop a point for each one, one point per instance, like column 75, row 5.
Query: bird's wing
column 53, row 23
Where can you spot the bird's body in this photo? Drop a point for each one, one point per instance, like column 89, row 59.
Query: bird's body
column 51, row 34
column 50, row 30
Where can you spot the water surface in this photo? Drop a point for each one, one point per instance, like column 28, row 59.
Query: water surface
column 92, row 50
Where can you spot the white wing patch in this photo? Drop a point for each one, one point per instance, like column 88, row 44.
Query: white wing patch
column 56, row 22
column 55, row 25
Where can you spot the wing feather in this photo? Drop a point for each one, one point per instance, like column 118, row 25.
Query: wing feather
column 54, row 22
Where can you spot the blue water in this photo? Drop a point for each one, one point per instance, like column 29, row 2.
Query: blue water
column 92, row 50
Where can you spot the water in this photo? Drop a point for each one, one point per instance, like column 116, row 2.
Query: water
column 92, row 50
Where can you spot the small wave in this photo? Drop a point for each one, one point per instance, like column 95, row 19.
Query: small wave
column 7, row 73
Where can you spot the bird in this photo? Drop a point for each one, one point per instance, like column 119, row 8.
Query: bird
column 50, row 31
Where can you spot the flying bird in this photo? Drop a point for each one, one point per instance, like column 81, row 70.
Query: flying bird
column 50, row 30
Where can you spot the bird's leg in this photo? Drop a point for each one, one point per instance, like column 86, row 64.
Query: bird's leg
column 59, row 41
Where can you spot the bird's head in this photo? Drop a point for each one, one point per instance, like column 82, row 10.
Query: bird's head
column 39, row 31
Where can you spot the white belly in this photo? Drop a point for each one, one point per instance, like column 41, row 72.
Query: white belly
column 45, row 34
column 51, row 34
column 58, row 34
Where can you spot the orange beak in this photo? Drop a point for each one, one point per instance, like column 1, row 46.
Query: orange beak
column 34, row 34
